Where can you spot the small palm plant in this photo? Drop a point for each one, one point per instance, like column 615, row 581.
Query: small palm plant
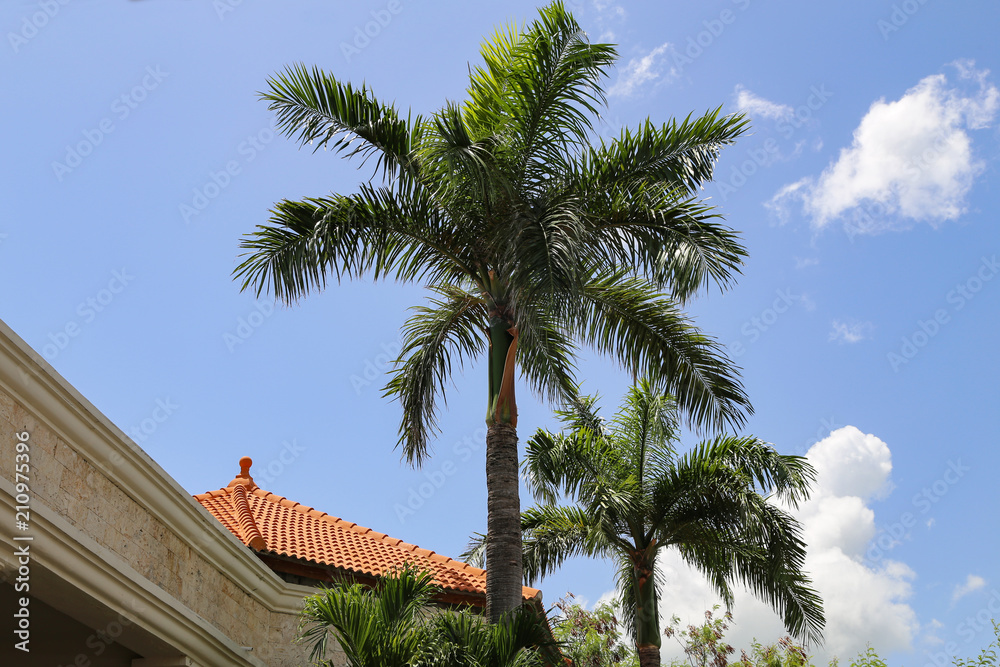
column 633, row 496
column 396, row 623
column 384, row 626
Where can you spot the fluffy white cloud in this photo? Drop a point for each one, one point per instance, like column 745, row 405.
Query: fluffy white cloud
column 863, row 603
column 850, row 332
column 911, row 159
column 642, row 71
column 757, row 106
column 972, row 583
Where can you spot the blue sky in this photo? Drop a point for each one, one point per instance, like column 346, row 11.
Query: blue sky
column 136, row 154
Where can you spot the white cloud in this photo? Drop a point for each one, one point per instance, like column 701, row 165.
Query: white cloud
column 757, row 106
column 863, row 603
column 930, row 637
column 911, row 159
column 641, row 71
column 608, row 9
column 803, row 262
column 972, row 583
column 781, row 202
column 853, row 332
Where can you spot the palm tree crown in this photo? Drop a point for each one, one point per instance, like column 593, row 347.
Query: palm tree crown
column 635, row 496
column 530, row 238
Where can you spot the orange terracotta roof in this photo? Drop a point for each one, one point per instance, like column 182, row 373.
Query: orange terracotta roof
column 273, row 524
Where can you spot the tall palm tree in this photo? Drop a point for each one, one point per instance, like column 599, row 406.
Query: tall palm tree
column 530, row 239
column 633, row 496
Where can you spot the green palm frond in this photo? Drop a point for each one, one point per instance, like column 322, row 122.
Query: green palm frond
column 537, row 90
column 373, row 626
column 788, row 477
column 315, row 108
column 552, row 534
column 520, row 639
column 627, row 320
column 450, row 325
column 674, row 153
column 673, row 241
column 546, row 355
column 377, row 230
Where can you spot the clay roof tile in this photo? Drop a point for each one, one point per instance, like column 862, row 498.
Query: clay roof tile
column 264, row 520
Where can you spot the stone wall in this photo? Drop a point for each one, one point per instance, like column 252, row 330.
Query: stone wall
column 84, row 494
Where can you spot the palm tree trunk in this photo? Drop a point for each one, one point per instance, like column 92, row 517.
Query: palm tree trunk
column 503, row 540
column 649, row 656
column 647, row 616
column 503, row 528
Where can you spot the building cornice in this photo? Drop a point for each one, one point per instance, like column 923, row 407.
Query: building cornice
column 51, row 400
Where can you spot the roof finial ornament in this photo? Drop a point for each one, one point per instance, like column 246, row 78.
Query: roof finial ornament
column 244, row 478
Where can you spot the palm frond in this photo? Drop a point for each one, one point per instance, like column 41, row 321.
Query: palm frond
column 315, row 108
column 380, row 231
column 627, row 320
column 451, row 325
column 674, row 153
column 546, row 355
column 671, row 240
column 552, row 534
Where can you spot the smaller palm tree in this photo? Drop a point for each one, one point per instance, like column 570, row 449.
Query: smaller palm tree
column 634, row 496
column 397, row 624
column 382, row 626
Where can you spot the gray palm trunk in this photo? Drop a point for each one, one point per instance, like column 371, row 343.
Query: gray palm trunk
column 504, row 572
column 503, row 548
column 649, row 656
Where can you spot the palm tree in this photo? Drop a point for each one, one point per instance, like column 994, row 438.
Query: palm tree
column 396, row 624
column 384, row 626
column 634, row 496
column 530, row 239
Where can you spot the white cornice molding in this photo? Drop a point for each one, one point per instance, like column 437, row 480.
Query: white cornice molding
column 78, row 560
column 53, row 401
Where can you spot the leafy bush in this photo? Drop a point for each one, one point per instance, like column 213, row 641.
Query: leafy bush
column 592, row 638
